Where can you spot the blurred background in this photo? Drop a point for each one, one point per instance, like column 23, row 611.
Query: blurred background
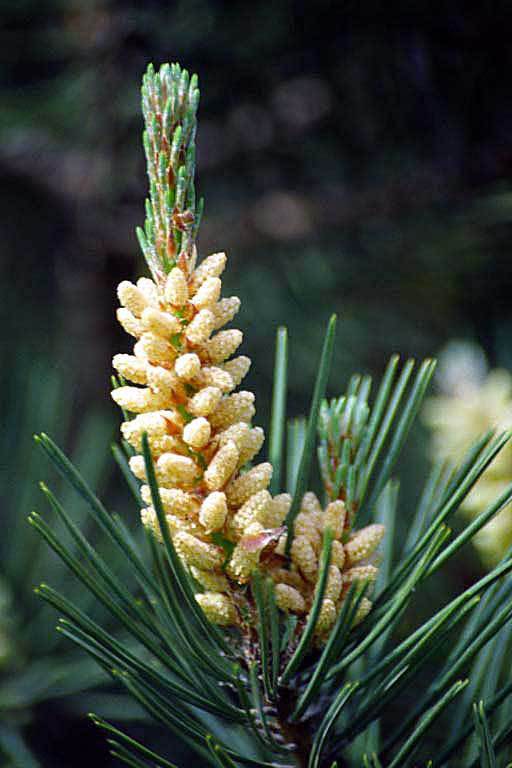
column 353, row 159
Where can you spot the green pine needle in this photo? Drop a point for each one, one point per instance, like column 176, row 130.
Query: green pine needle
column 310, row 440
column 278, row 415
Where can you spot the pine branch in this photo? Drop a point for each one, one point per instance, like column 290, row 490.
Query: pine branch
column 254, row 644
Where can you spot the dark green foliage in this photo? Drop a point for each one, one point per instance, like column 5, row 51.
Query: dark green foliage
column 36, row 665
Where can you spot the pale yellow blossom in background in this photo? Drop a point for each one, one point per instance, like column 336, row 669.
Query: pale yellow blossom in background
column 474, row 401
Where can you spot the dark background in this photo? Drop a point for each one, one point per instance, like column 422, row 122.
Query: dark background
column 354, row 157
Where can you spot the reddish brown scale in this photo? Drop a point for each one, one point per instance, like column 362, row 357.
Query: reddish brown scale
column 171, row 246
column 271, row 560
column 182, row 221
column 172, row 428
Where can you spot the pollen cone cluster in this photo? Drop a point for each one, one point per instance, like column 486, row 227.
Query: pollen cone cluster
column 351, row 560
column 183, row 376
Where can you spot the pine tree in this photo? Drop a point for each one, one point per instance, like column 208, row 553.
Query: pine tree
column 266, row 628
